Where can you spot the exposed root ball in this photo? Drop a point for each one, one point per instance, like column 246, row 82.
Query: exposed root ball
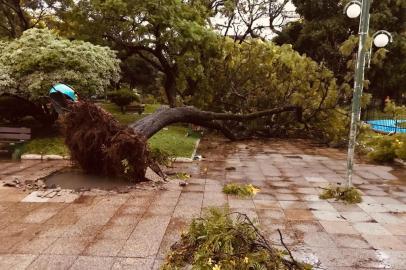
column 100, row 145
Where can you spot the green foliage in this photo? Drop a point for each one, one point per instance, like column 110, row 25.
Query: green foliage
column 160, row 156
column 170, row 35
column 123, row 97
column 384, row 148
column 40, row 58
column 346, row 194
column 256, row 75
column 221, row 241
column 241, row 190
column 46, row 146
column 181, row 175
column 325, row 34
column 398, row 112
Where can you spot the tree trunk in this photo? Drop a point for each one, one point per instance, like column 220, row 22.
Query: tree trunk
column 170, row 90
column 100, row 145
column 163, row 117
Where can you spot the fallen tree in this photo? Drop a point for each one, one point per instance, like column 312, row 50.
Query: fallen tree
column 100, row 145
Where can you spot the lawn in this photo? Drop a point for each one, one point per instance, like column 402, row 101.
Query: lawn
column 177, row 140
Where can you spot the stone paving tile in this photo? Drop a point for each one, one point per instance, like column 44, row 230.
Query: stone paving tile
column 118, row 232
column 135, row 230
column 92, row 263
column 396, row 229
column 104, row 247
column 387, row 242
column 350, row 241
column 388, row 218
column 318, row 239
column 370, row 228
column 8, row 243
column 59, row 262
column 327, row 215
column 172, row 234
column 357, row 216
column 68, row 246
column 132, row 264
column 298, row 214
column 16, row 261
column 34, row 246
column 338, row 227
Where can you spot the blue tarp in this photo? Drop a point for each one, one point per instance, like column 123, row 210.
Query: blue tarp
column 387, row 125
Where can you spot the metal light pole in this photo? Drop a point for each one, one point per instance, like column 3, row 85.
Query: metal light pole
column 381, row 39
column 358, row 85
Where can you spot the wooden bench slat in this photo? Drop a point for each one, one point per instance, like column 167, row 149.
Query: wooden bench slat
column 15, row 130
column 15, row 136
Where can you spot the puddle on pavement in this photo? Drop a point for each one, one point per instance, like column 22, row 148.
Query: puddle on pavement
column 75, row 179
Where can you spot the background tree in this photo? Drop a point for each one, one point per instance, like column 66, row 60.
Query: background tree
column 39, row 59
column 16, row 16
column 241, row 19
column 170, row 35
column 123, row 97
column 323, row 28
column 256, row 76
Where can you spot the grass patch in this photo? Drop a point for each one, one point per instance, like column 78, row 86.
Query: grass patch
column 240, row 190
column 346, row 194
column 224, row 241
column 178, row 141
column 123, row 118
column 46, row 146
column 174, row 141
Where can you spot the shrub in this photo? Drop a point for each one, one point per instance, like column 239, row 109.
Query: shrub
column 123, row 97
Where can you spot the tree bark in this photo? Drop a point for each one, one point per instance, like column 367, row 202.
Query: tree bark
column 165, row 116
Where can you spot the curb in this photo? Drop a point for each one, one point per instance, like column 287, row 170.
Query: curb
column 59, row 157
column 43, row 157
column 400, row 162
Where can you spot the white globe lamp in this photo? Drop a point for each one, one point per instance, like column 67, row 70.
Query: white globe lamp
column 353, row 10
column 381, row 40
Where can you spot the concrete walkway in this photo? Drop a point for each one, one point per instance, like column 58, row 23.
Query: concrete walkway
column 136, row 229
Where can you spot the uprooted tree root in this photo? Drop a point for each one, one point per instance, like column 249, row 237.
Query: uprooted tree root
column 228, row 240
column 100, row 145
column 345, row 194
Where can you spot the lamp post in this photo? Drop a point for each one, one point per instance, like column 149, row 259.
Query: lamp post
column 354, row 9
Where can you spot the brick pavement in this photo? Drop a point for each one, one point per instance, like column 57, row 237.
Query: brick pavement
column 135, row 230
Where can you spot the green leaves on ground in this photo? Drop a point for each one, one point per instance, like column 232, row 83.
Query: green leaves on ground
column 226, row 241
column 346, row 194
column 383, row 148
column 241, row 190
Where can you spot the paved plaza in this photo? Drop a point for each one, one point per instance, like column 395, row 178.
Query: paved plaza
column 135, row 230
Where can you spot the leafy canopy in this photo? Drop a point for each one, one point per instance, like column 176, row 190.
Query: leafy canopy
column 257, row 75
column 32, row 63
column 324, row 29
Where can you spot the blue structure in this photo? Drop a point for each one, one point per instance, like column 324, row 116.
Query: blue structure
column 387, row 125
column 64, row 89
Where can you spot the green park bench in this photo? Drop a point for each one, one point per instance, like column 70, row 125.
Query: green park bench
column 135, row 107
column 11, row 136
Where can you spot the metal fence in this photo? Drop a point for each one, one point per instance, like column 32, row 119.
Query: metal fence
column 384, row 122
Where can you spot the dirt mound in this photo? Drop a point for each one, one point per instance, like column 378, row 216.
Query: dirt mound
column 100, row 145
